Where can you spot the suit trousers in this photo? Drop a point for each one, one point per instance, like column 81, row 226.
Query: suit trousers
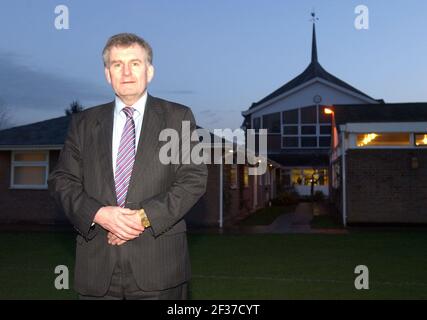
column 123, row 286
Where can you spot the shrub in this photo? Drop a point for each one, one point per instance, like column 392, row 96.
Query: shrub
column 286, row 198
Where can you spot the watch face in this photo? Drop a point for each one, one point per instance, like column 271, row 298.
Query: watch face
column 317, row 98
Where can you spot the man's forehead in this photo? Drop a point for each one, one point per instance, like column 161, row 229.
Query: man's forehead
column 134, row 49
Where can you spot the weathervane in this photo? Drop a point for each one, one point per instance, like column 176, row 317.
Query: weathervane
column 313, row 16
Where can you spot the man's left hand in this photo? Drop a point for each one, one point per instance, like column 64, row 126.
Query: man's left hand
column 114, row 240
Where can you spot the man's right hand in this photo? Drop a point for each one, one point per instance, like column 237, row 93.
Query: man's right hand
column 119, row 221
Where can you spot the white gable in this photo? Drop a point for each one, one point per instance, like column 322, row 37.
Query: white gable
column 303, row 96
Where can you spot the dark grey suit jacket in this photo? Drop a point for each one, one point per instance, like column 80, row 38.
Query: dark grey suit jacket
column 83, row 182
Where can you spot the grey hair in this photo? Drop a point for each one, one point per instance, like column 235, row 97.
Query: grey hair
column 126, row 40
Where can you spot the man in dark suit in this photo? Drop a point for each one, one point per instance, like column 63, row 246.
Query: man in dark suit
column 126, row 204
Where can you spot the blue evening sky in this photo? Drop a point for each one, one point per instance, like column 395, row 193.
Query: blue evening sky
column 216, row 56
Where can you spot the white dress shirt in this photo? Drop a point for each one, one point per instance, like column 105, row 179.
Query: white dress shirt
column 120, row 120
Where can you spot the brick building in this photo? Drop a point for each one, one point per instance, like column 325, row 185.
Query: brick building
column 378, row 163
column 299, row 134
column 28, row 153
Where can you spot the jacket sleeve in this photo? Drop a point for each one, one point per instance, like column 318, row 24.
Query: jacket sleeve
column 66, row 184
column 166, row 209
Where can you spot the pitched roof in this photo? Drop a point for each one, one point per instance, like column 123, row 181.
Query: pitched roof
column 314, row 70
column 387, row 112
column 49, row 132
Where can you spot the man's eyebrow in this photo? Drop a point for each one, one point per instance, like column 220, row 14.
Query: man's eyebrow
column 120, row 61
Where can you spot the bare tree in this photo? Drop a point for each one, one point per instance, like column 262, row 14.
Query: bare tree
column 74, row 107
column 5, row 118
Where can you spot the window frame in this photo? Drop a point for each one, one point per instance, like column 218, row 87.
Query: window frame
column 265, row 121
column 300, row 125
column 410, row 144
column 14, row 164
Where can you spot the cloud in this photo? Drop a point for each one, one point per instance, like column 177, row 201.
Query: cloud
column 209, row 118
column 24, row 88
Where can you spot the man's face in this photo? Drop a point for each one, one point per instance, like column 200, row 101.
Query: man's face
column 129, row 72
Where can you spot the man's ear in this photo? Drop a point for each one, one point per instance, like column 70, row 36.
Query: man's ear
column 107, row 75
column 150, row 73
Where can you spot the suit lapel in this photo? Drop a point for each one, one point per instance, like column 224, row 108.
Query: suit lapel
column 153, row 122
column 104, row 132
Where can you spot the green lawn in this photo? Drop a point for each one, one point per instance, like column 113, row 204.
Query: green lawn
column 267, row 215
column 325, row 221
column 247, row 266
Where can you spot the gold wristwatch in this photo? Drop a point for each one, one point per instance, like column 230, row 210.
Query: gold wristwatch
column 144, row 219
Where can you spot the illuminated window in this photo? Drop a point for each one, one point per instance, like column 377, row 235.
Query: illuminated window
column 245, row 177
column 383, row 139
column 309, row 176
column 421, row 139
column 322, row 177
column 29, row 169
column 304, row 177
column 319, row 177
column 297, row 177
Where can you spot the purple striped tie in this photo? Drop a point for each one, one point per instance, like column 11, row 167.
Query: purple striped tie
column 125, row 157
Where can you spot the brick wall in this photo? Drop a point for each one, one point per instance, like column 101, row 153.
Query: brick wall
column 382, row 186
column 206, row 211
column 26, row 206
column 36, row 206
column 237, row 202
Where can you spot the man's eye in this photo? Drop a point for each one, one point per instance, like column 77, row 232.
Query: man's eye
column 117, row 65
column 135, row 64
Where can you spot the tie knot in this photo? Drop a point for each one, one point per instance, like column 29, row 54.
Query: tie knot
column 128, row 111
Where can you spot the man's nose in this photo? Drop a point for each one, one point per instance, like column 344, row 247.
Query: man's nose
column 126, row 70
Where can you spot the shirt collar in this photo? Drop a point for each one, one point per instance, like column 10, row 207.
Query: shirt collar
column 139, row 106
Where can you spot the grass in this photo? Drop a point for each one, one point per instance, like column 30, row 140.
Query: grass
column 325, row 216
column 28, row 261
column 266, row 216
column 325, row 221
column 293, row 266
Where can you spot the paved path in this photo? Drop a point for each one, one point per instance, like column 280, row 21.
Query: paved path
column 288, row 223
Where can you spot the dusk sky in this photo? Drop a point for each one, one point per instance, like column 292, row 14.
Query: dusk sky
column 215, row 56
